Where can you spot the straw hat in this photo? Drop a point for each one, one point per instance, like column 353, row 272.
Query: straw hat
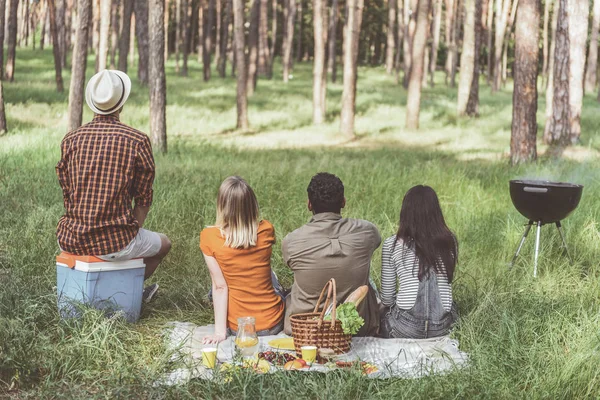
column 107, row 91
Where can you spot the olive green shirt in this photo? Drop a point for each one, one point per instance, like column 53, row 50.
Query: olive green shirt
column 330, row 246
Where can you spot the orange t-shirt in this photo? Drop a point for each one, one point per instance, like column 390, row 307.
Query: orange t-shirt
column 248, row 276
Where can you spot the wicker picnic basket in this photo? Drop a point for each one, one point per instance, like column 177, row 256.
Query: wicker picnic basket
column 309, row 329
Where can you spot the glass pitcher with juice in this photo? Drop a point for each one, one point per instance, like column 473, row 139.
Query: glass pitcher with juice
column 246, row 340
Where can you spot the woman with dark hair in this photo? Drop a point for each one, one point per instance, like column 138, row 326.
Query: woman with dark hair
column 417, row 269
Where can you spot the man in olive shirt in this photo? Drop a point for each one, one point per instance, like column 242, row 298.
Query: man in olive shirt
column 330, row 246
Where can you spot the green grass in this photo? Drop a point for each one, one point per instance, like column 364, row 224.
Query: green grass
column 527, row 338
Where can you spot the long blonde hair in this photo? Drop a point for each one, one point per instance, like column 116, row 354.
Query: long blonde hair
column 237, row 213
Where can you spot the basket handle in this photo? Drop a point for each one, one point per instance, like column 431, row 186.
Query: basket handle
column 331, row 289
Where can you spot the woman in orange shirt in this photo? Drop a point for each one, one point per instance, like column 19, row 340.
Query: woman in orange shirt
column 237, row 251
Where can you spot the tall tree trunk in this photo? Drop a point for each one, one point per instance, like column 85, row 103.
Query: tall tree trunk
column 592, row 59
column 253, row 47
column 448, row 34
column 157, row 81
column 467, row 59
column 391, row 36
column 454, row 49
column 490, row 41
column 273, row 36
column 70, row 17
column 263, row 39
column 125, row 34
column 578, row 29
column 400, row 37
column 114, row 36
column 178, row 34
column 550, row 79
column 524, row 122
column 331, row 41
column 79, row 62
column 208, row 43
column 166, row 27
column 141, row 32
column 547, row 6
column 218, row 19
column 96, row 30
column 242, row 73
column 354, row 10
column 502, row 11
column 104, row 32
column 413, row 104
column 201, row 32
column 290, row 14
column 62, row 34
column 55, row 49
column 557, row 132
column 300, row 23
column 185, row 36
column 410, row 7
column 44, row 25
column 11, row 40
column 224, row 39
column 473, row 104
column 319, row 71
column 132, row 38
column 25, row 24
column 3, row 124
column 511, row 22
column 437, row 23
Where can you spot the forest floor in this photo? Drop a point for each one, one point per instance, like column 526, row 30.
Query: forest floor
column 526, row 337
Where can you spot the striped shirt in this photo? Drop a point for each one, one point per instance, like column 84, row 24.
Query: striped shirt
column 399, row 277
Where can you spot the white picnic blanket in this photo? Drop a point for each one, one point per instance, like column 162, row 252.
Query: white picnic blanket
column 407, row 358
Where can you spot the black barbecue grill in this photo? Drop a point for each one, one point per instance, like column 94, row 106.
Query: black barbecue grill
column 543, row 202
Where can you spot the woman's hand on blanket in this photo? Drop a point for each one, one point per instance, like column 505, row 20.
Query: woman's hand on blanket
column 214, row 339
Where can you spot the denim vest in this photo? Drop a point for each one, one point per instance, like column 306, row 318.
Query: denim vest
column 426, row 319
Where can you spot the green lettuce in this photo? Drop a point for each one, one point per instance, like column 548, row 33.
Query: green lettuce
column 348, row 316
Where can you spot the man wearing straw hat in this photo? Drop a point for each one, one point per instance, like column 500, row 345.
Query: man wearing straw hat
column 106, row 165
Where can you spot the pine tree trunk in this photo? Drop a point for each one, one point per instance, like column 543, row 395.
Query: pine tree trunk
column 3, row 124
column 225, row 39
column 557, row 132
column 473, row 104
column 132, row 38
column 253, row 47
column 201, row 28
column 178, row 30
column 185, row 35
column 547, row 6
column 400, row 38
column 550, row 79
column 102, row 55
column 96, row 30
column 70, row 17
column 208, row 43
column 55, row 49
column 502, row 11
column 157, row 81
column 509, row 27
column 79, row 63
column 437, row 23
column 319, row 71
column 44, row 25
column 354, row 10
column 114, row 36
column 25, row 24
column 300, row 36
column 263, row 39
column 11, row 40
column 578, row 29
column 454, row 50
column 274, row 13
column 391, row 36
column 490, row 42
column 141, row 33
column 448, row 34
column 331, row 41
column 62, row 35
column 288, row 38
column 592, row 59
column 218, row 19
column 410, row 7
column 125, row 34
column 166, row 28
column 413, row 104
column 524, row 121
column 242, row 73
column 467, row 59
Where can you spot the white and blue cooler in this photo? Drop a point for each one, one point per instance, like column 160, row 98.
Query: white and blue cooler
column 105, row 285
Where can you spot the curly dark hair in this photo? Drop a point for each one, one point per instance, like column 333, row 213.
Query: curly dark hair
column 326, row 193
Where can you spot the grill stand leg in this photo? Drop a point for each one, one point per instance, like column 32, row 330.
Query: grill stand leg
column 527, row 229
column 564, row 242
column 537, row 248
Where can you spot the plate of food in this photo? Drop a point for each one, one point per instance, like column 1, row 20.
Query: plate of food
column 286, row 343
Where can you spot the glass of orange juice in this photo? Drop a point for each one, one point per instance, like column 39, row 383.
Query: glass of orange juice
column 246, row 340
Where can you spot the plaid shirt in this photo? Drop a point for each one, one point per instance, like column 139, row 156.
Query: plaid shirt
column 104, row 165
